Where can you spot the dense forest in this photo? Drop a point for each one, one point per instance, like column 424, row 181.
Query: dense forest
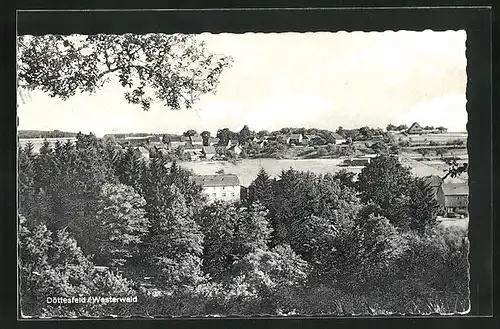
column 300, row 243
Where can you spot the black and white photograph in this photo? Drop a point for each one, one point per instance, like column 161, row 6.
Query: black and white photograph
column 243, row 174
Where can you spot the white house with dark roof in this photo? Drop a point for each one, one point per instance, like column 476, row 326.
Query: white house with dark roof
column 175, row 142
column 196, row 140
column 337, row 139
column 454, row 197
column 295, row 139
column 224, row 187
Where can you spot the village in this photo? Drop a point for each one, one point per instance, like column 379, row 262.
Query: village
column 236, row 174
column 424, row 149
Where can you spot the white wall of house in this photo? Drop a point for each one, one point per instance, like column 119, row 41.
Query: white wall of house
column 209, row 156
column 224, row 193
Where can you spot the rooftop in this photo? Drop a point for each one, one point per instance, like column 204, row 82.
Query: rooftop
column 337, row 136
column 209, row 149
column 196, row 139
column 216, row 180
column 174, row 138
column 455, row 189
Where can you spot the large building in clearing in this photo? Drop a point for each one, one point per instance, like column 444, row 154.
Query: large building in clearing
column 454, row 197
column 225, row 187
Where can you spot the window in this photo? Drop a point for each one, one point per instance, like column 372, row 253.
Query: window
column 223, row 194
column 232, row 194
column 214, row 195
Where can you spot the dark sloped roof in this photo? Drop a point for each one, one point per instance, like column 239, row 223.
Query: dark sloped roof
column 415, row 126
column 337, row 136
column 209, row 149
column 216, row 180
column 455, row 189
column 192, row 147
column 175, row 138
column 196, row 139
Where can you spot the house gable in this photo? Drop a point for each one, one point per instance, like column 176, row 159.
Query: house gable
column 415, row 128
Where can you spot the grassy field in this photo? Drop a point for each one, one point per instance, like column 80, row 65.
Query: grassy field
column 461, row 222
column 438, row 138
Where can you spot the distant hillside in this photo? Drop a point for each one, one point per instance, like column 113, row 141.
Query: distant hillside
column 123, row 135
column 44, row 134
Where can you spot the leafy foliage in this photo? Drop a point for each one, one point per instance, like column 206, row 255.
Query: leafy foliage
column 174, row 245
column 384, row 182
column 52, row 265
column 174, row 69
column 122, row 223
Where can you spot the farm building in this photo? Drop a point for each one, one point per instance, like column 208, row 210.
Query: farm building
column 196, row 140
column 136, row 140
column 213, row 141
column 337, row 139
column 295, row 139
column 194, row 152
column 209, row 152
column 175, row 142
column 313, row 140
column 220, row 187
column 415, row 129
column 454, row 197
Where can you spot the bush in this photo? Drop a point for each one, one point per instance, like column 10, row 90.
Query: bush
column 434, row 265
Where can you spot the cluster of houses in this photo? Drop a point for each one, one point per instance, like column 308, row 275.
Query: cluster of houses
column 309, row 139
column 196, row 147
column 192, row 147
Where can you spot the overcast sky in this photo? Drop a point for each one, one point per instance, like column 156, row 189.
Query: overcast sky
column 321, row 80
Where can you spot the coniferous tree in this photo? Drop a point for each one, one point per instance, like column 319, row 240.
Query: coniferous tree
column 122, row 224
column 218, row 223
column 175, row 245
column 261, row 189
column 129, row 169
column 424, row 206
column 26, row 178
column 181, row 177
column 386, row 183
column 253, row 230
column 314, row 239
